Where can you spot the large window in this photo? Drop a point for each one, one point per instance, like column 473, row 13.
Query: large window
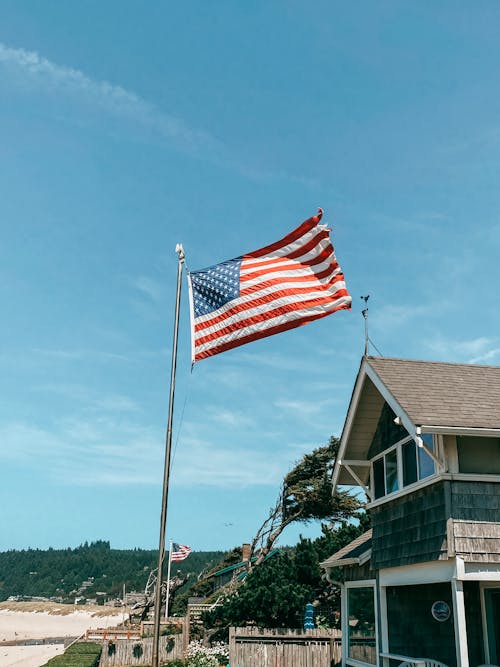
column 361, row 638
column 402, row 465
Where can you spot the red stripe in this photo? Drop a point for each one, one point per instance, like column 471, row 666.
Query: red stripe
column 263, row 317
column 289, row 238
column 239, row 308
column 321, row 258
column 267, row 332
column 250, row 261
column 293, row 290
column 248, row 289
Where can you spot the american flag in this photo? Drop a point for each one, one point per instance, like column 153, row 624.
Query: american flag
column 179, row 552
column 282, row 286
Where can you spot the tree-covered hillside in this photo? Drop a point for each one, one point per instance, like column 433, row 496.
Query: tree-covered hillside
column 87, row 570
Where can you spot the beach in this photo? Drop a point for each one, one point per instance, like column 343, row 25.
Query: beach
column 21, row 621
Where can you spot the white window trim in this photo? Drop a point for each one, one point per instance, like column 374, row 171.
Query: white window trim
column 365, row 583
column 402, row 489
column 482, row 587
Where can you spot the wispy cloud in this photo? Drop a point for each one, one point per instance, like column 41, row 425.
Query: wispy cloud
column 151, row 288
column 302, row 409
column 79, row 354
column 108, row 449
column 479, row 350
column 231, row 418
column 91, row 399
column 390, row 316
column 31, row 69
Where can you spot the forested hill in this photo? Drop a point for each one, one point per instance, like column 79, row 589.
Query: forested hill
column 87, row 570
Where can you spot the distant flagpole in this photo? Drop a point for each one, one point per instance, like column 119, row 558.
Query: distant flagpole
column 168, row 578
column 166, row 471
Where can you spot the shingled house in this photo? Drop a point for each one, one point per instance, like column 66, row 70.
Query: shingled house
column 422, row 440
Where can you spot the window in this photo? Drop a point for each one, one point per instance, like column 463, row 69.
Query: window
column 478, row 455
column 385, row 474
column 361, row 639
column 402, row 465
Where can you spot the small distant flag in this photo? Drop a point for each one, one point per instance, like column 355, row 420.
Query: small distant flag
column 179, row 552
column 282, row 286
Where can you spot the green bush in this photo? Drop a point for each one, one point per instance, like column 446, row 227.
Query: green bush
column 82, row 654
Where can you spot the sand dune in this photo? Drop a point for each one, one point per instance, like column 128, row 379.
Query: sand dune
column 25, row 620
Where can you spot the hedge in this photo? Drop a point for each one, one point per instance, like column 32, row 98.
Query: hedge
column 81, row 654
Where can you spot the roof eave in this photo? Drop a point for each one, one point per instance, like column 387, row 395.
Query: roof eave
column 365, row 371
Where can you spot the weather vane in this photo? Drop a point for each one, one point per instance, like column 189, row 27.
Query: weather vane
column 364, row 312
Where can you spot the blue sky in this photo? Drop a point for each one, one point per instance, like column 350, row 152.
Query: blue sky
column 128, row 127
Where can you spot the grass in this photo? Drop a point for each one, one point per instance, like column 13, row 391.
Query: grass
column 81, row 654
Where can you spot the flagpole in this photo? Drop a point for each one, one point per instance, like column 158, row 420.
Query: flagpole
column 166, row 470
column 168, row 578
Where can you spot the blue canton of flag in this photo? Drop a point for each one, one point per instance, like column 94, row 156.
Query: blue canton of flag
column 215, row 286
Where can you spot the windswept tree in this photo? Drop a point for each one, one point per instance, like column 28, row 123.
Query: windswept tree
column 306, row 495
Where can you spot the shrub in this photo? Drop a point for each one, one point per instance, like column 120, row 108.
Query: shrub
column 201, row 656
column 81, row 654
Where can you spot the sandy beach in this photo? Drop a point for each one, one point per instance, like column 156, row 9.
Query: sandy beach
column 24, row 620
column 28, row 656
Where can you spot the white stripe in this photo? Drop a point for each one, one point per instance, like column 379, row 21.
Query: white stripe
column 292, row 273
column 279, row 301
column 275, row 321
column 323, row 244
column 270, row 289
column 294, row 245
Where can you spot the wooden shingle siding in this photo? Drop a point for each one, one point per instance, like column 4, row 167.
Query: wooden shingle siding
column 477, row 542
column 411, row 529
column 475, row 501
column 357, row 572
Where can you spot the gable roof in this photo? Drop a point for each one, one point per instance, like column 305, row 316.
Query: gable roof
column 443, row 394
column 423, row 394
column 355, row 553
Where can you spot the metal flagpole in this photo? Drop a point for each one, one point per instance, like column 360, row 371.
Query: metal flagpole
column 168, row 578
column 166, row 471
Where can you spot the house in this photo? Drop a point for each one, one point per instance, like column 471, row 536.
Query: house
column 234, row 574
column 422, row 441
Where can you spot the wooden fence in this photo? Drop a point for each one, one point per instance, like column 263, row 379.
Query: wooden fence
column 284, row 647
column 140, row 652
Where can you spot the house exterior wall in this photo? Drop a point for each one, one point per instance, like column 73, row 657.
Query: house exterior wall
column 475, row 508
column 411, row 529
column 438, row 521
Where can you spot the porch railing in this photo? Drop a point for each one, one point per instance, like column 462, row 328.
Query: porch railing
column 393, row 659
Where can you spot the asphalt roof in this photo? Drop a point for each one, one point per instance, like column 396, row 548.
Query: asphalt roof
column 352, row 551
column 443, row 394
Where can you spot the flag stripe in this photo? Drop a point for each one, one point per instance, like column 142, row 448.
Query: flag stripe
column 282, row 286
column 256, row 304
column 180, row 552
column 239, row 326
column 268, row 291
column 256, row 335
column 285, row 245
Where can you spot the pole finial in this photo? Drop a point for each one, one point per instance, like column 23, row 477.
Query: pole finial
column 180, row 251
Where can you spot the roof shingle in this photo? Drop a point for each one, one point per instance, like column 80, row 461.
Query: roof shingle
column 443, row 394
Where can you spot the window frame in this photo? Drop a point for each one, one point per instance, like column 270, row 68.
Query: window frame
column 398, row 447
column 366, row 583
